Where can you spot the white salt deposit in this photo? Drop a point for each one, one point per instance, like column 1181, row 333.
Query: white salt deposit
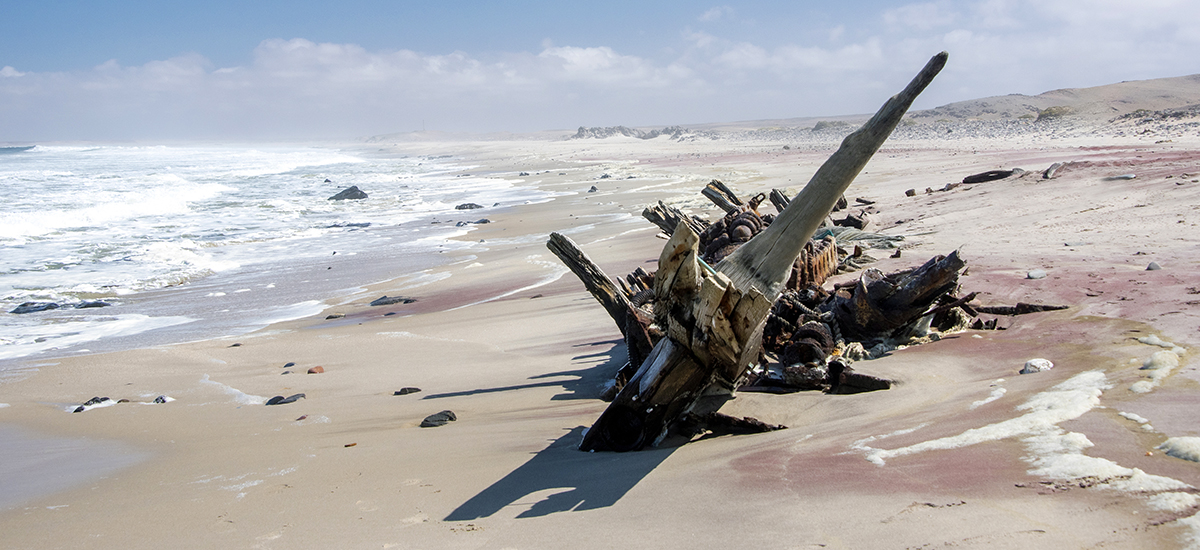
column 1145, row 422
column 1192, row 538
column 1066, row 401
column 1187, row 448
column 997, row 393
column 1159, row 364
column 1037, row 365
column 1174, row 502
column 1154, row 340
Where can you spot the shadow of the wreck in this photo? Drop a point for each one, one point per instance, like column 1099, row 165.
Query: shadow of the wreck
column 595, row 480
column 584, row 383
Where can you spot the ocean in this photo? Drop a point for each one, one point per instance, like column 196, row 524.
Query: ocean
column 187, row 243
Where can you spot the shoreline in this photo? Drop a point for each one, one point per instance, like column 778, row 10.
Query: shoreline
column 521, row 366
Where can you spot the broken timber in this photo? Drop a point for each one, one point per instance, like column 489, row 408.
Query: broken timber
column 630, row 319
column 714, row 316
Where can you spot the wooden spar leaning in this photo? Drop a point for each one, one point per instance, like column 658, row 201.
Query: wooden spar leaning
column 713, row 317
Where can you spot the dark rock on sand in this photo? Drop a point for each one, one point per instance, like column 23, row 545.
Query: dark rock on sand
column 593, row 189
column 439, row 419
column 96, row 303
column 406, row 391
column 468, row 206
column 389, row 300
column 289, row 364
column 335, row 316
column 160, row 399
column 34, row 307
column 281, row 400
column 990, row 175
column 1153, row 266
column 353, row 193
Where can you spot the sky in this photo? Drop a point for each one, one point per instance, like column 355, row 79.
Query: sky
column 145, row 70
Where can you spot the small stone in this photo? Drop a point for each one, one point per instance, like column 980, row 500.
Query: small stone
column 281, row 400
column 122, row 401
column 160, row 399
column 439, row 419
column 593, row 189
column 335, row 316
column 1036, row 274
column 1037, row 365
column 910, row 193
column 79, row 409
column 93, row 304
column 406, row 391
column 316, row 370
column 1153, row 266
column 286, row 372
column 389, row 300
column 289, row 364
column 468, row 206
column 235, row 345
column 350, row 444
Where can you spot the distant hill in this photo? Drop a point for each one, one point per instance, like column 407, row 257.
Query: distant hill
column 1099, row 102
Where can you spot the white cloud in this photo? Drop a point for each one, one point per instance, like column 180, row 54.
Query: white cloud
column 716, row 14
column 300, row 88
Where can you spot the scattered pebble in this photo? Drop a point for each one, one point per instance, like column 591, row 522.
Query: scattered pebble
column 1036, row 274
column 1037, row 365
column 281, row 400
column 316, row 370
column 439, row 419
column 335, row 316
column 289, row 364
column 406, row 391
column 1153, row 266
column 350, row 444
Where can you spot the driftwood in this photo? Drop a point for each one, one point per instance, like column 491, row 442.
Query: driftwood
column 722, row 196
column 630, row 320
column 1020, row 309
column 779, row 200
column 667, row 217
column 714, row 316
column 882, row 304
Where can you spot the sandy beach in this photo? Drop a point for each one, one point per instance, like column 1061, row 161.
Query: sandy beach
column 506, row 338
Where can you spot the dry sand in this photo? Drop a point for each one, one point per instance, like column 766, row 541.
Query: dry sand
column 509, row 341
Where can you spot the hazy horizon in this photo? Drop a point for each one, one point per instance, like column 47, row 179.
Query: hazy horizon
column 138, row 71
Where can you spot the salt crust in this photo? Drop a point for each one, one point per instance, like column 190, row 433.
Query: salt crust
column 1187, row 448
column 1174, row 502
column 1160, row 364
column 1066, row 401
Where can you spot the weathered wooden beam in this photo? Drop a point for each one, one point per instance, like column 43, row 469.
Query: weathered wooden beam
column 765, row 261
column 594, row 279
column 779, row 199
column 667, row 217
column 630, row 320
column 714, row 317
column 722, row 196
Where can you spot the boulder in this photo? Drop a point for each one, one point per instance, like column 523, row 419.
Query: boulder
column 353, row 193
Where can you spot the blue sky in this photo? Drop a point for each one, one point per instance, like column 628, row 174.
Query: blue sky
column 141, row 70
